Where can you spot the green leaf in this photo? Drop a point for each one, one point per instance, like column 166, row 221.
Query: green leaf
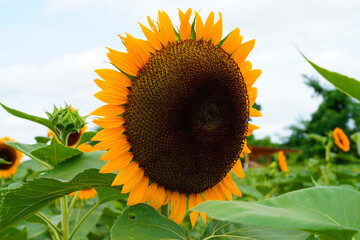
column 43, row 121
column 350, row 86
column 142, row 222
column 65, row 171
column 356, row 138
column 331, row 212
column 21, row 203
column 41, row 139
column 217, row 229
column 317, row 137
column 13, row 234
column 106, row 194
column 86, row 137
column 55, row 153
column 3, row 161
column 89, row 225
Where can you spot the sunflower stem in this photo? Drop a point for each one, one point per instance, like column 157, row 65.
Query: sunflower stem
column 51, row 224
column 72, row 203
column 165, row 210
column 65, row 220
column 82, row 220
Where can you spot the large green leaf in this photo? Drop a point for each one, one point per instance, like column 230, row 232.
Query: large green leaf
column 55, row 153
column 142, row 222
column 332, row 212
column 13, row 234
column 345, row 84
column 21, row 203
column 67, row 170
column 43, row 121
column 217, row 229
column 106, row 194
column 86, row 137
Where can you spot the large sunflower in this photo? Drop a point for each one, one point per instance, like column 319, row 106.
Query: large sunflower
column 177, row 113
column 10, row 155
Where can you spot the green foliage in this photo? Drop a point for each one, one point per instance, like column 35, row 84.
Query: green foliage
column 13, row 234
column 55, row 153
column 217, row 229
column 86, row 137
column 142, row 222
column 43, row 121
column 304, row 210
column 347, row 85
column 336, row 110
column 21, row 203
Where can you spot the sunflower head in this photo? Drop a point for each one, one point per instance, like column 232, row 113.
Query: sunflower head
column 85, row 194
column 67, row 121
column 341, row 140
column 177, row 110
column 282, row 162
column 10, row 155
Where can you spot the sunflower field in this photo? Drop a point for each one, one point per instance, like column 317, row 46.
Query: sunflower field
column 173, row 156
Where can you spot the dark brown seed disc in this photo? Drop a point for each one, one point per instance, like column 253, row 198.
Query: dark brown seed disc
column 186, row 118
column 8, row 154
column 73, row 138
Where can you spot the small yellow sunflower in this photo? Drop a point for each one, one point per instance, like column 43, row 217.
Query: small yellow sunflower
column 10, row 155
column 176, row 115
column 282, row 162
column 341, row 140
column 73, row 138
column 85, row 194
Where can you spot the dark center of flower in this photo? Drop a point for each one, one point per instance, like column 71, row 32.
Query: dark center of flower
column 187, row 116
column 73, row 138
column 9, row 155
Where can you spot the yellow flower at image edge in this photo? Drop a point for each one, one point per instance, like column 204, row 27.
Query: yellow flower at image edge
column 177, row 113
column 10, row 155
column 341, row 140
column 282, row 162
column 85, row 194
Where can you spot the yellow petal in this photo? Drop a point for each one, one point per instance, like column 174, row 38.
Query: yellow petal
column 166, row 28
column 200, row 199
column 251, row 76
column 117, row 164
column 130, row 184
column 149, row 192
column 252, row 95
column 255, row 113
column 241, row 54
column 245, row 67
column 114, row 76
column 137, row 193
column 107, row 133
column 252, row 126
column 112, row 97
column 157, row 198
column 180, row 214
column 109, row 122
column 151, row 37
column 229, row 43
column 174, row 204
column 237, row 169
column 199, row 26
column 126, row 173
column 123, row 62
column 209, row 26
column 226, row 191
column 115, row 153
column 168, row 197
column 231, row 185
column 110, row 143
column 218, row 30
column 193, row 215
column 185, row 26
column 219, row 192
column 109, row 110
column 107, row 85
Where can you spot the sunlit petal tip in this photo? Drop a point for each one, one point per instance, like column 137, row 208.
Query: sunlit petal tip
column 255, row 113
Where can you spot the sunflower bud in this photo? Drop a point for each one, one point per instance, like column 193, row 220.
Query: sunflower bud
column 66, row 120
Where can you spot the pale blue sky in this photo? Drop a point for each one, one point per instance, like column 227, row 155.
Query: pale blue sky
column 50, row 48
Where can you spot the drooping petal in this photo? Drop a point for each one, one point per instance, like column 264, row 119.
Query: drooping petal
column 180, row 214
column 132, row 183
column 218, row 30
column 185, row 26
column 193, row 215
column 137, row 193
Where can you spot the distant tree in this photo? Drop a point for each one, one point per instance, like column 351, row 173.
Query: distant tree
column 336, row 110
